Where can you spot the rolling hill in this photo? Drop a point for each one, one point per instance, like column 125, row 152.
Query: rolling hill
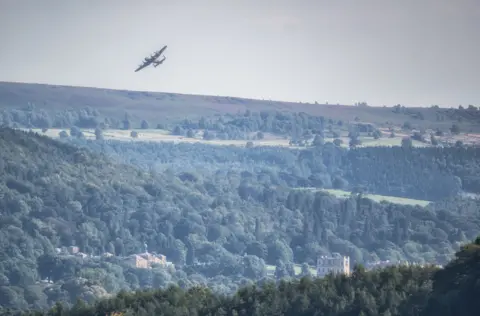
column 158, row 106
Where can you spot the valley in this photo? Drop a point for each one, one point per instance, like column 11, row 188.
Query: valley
column 231, row 196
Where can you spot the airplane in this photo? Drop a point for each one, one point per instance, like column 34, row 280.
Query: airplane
column 153, row 59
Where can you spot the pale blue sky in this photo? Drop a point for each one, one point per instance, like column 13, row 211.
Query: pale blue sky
column 413, row 52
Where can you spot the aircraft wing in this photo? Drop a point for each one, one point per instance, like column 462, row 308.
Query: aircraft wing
column 159, row 53
column 145, row 64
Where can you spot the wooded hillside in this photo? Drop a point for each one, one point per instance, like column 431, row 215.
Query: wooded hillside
column 219, row 227
column 396, row 291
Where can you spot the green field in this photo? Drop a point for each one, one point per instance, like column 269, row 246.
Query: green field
column 374, row 197
column 159, row 135
column 371, row 142
column 396, row 141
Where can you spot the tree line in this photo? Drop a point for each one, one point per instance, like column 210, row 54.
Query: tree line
column 390, row 291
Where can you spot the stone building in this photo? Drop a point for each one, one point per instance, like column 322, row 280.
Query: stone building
column 137, row 261
column 336, row 264
column 146, row 260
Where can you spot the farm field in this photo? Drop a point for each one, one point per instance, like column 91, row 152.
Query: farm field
column 374, row 197
column 395, row 141
column 158, row 135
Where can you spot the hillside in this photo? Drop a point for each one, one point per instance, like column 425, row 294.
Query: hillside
column 431, row 174
column 219, row 229
column 158, row 107
column 395, row 291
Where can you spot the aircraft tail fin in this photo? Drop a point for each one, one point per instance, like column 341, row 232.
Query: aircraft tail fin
column 157, row 63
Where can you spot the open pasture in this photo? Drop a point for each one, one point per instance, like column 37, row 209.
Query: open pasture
column 159, row 135
column 374, row 197
column 156, row 135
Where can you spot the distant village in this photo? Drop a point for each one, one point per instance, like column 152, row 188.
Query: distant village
column 144, row 260
column 334, row 263
column 338, row 264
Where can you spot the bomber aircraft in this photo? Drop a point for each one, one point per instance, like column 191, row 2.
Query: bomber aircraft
column 153, row 59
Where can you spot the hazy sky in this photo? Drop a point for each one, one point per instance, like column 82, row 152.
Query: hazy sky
column 413, row 52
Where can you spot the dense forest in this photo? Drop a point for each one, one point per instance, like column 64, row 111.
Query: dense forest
column 401, row 291
column 32, row 116
column 220, row 214
column 419, row 173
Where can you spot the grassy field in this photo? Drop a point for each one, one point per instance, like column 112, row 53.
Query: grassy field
column 160, row 106
column 396, row 141
column 374, row 197
column 158, row 135
column 370, row 142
